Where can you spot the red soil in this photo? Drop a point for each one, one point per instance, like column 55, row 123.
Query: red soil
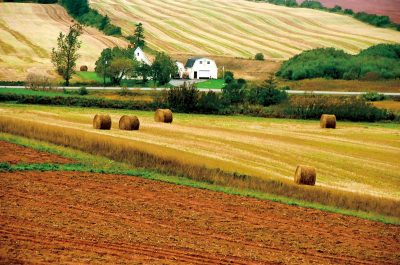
column 15, row 154
column 69, row 217
column 389, row 8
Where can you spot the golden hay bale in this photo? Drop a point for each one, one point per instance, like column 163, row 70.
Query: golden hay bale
column 163, row 115
column 83, row 68
column 328, row 121
column 305, row 175
column 102, row 122
column 129, row 123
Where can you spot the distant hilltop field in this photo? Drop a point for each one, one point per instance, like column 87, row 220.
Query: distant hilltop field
column 240, row 28
column 389, row 8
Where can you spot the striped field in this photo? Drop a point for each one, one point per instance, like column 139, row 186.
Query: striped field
column 240, row 28
column 358, row 157
column 28, row 32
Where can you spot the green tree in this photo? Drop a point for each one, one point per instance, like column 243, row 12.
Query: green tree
column 267, row 93
column 163, row 68
column 259, row 57
column 116, row 64
column 138, row 37
column 105, row 21
column 144, row 70
column 65, row 56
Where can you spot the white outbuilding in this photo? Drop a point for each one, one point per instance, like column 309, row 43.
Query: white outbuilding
column 140, row 56
column 181, row 69
column 201, row 68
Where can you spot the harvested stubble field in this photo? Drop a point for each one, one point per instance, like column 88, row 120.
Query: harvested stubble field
column 240, row 28
column 28, row 32
column 77, row 217
column 356, row 157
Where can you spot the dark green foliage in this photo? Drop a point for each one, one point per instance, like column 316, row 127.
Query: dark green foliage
column 373, row 96
column 209, row 102
column 259, row 57
column 267, row 94
column 312, row 4
column 83, row 91
column 183, row 98
column 345, row 108
column 234, row 92
column 144, row 70
column 376, row 20
column 4, row 167
column 380, row 61
column 138, row 37
column 163, row 68
column 229, row 77
column 80, row 10
column 348, row 12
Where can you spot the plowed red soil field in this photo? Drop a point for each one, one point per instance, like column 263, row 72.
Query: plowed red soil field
column 70, row 217
column 15, row 154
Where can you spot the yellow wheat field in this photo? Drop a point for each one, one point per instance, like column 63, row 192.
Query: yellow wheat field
column 240, row 28
column 359, row 157
column 28, row 32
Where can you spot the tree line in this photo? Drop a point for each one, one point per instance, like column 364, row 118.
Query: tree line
column 381, row 61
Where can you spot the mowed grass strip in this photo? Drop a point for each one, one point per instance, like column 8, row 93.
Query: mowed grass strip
column 183, row 163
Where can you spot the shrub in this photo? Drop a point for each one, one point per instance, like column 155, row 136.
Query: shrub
column 83, row 91
column 259, row 57
column 39, row 82
column 83, row 68
column 345, row 108
column 373, row 96
column 209, row 102
column 266, row 94
column 183, row 98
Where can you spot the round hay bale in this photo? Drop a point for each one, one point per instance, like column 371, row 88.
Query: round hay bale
column 305, row 175
column 328, row 121
column 83, row 68
column 163, row 115
column 102, row 122
column 129, row 123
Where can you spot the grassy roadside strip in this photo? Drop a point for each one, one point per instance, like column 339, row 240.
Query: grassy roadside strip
column 100, row 164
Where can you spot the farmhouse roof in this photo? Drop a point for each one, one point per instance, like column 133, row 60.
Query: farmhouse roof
column 190, row 62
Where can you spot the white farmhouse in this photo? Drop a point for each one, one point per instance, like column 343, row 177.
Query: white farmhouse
column 201, row 68
column 141, row 57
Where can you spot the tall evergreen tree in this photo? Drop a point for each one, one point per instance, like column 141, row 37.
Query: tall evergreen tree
column 138, row 37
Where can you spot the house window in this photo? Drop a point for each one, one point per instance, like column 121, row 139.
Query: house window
column 201, row 62
column 137, row 54
column 208, row 62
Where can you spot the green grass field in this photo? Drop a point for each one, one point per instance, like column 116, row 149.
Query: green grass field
column 91, row 77
column 212, row 83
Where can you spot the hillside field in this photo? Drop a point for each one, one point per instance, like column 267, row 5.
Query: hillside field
column 240, row 28
column 357, row 157
column 28, row 32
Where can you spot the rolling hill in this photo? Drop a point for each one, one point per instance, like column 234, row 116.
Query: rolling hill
column 28, row 32
column 240, row 28
column 389, row 8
